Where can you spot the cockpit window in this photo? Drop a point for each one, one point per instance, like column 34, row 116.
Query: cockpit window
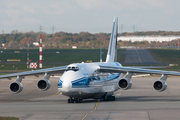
column 72, row 68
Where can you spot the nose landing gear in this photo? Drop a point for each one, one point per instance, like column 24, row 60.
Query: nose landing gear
column 76, row 100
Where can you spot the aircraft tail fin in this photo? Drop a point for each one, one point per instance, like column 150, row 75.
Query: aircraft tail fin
column 112, row 50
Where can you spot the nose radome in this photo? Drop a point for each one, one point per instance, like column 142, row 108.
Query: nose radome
column 66, row 86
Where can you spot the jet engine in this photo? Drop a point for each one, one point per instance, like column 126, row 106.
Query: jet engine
column 125, row 83
column 160, row 85
column 16, row 87
column 44, row 84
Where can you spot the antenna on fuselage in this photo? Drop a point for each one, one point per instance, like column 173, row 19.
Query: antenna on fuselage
column 100, row 55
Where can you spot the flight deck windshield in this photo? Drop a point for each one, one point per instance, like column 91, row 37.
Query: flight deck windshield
column 72, row 68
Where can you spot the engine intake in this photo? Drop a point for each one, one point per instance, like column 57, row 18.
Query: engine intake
column 16, row 87
column 160, row 85
column 125, row 83
column 44, row 84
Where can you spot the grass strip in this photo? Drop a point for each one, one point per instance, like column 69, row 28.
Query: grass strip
column 8, row 118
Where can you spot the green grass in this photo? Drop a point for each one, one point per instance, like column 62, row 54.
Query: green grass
column 173, row 68
column 8, row 118
column 67, row 56
column 64, row 57
column 50, row 55
column 169, row 56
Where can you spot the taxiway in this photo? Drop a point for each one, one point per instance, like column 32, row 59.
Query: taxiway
column 141, row 102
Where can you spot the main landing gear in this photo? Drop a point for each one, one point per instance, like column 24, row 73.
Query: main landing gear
column 109, row 98
column 76, row 100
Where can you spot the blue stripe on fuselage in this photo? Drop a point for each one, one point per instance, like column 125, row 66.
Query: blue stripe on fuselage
column 81, row 81
column 85, row 81
column 60, row 84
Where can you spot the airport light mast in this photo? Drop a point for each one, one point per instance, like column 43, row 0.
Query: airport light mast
column 40, row 52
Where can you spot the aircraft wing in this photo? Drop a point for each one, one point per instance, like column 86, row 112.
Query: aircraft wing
column 143, row 75
column 147, row 67
column 111, row 69
column 36, row 72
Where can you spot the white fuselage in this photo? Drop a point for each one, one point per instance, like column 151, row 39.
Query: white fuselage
column 82, row 80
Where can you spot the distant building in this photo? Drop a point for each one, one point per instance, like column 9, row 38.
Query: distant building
column 74, row 47
column 36, row 43
column 124, row 47
column 3, row 44
column 147, row 38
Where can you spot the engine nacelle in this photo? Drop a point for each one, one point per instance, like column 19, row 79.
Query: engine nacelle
column 16, row 87
column 125, row 83
column 44, row 84
column 160, row 85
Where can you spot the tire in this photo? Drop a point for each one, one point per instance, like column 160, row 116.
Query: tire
column 69, row 101
column 77, row 100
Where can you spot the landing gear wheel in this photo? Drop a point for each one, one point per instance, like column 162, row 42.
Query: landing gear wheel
column 77, row 100
column 69, row 101
column 104, row 99
column 113, row 98
column 80, row 100
column 109, row 98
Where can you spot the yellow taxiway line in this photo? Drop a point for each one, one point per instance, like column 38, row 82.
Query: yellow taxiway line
column 91, row 110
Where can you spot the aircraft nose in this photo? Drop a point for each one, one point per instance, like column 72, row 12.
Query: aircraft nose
column 66, row 86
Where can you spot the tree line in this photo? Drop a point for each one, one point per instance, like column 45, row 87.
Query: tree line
column 57, row 40
column 81, row 40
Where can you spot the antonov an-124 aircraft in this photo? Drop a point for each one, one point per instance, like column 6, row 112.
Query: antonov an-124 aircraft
column 92, row 80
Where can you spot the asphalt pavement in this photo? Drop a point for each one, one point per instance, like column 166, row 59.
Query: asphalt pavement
column 140, row 57
column 141, row 102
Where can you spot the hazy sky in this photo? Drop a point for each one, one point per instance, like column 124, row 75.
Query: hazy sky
column 89, row 15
